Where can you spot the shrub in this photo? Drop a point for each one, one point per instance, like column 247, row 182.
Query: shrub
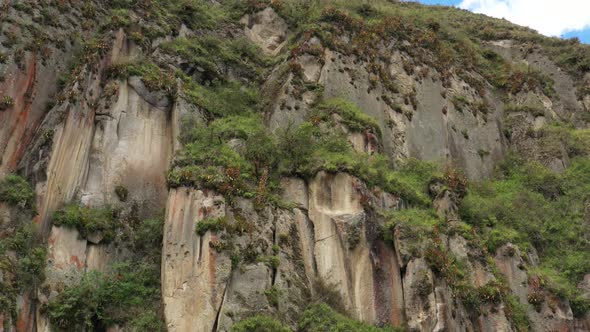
column 273, row 296
column 6, row 102
column 528, row 205
column 87, row 220
column 153, row 77
column 352, row 117
column 122, row 193
column 460, row 102
column 296, row 145
column 322, row 318
column 272, row 262
column 28, row 267
column 147, row 321
column 128, row 294
column 119, row 18
column 534, row 110
column 260, row 323
column 261, row 152
column 414, row 224
column 147, row 238
column 210, row 224
column 15, row 190
column 516, row 313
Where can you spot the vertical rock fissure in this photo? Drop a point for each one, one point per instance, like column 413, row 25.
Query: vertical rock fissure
column 200, row 255
column 275, row 242
column 312, row 234
column 219, row 309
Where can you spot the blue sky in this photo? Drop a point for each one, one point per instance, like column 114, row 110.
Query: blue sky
column 564, row 18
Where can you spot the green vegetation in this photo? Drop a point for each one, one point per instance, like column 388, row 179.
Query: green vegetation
column 530, row 206
column 152, row 76
column 415, row 225
column 122, row 193
column 352, row 117
column 15, row 190
column 210, row 224
column 87, row 220
column 322, row 318
column 554, row 139
column 272, row 262
column 146, row 240
column 460, row 102
column 22, row 264
column 260, row 323
column 534, row 110
column 6, row 102
column 273, row 296
column 221, row 99
column 213, row 54
column 317, row 317
column 128, row 295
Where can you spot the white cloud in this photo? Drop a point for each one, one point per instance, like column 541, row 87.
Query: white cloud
column 549, row 17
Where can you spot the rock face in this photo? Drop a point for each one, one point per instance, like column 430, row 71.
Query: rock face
column 194, row 276
column 266, row 29
column 98, row 149
column 334, row 238
column 106, row 140
column 109, row 141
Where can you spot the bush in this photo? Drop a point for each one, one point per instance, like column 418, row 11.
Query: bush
column 28, row 266
column 272, row 262
column 415, row 224
column 260, row 323
column 528, row 205
column 6, row 102
column 87, row 220
column 352, row 117
column 153, row 77
column 15, row 190
column 147, row 238
column 129, row 294
column 147, row 321
column 534, row 110
column 322, row 318
column 210, row 224
column 122, row 193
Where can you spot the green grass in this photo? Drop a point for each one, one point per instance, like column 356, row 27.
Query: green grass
column 300, row 150
column 352, row 117
column 212, row 54
column 417, row 223
column 530, row 206
column 152, row 76
column 534, row 110
column 221, row 99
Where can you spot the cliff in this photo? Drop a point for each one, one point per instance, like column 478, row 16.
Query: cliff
column 290, row 166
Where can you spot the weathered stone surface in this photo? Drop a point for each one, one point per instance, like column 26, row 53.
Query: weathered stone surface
column 267, row 30
column 294, row 190
column 132, row 138
column 194, row 275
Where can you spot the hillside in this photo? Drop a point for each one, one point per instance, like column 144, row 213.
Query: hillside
column 303, row 165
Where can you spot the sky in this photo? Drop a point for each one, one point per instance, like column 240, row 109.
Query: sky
column 563, row 18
